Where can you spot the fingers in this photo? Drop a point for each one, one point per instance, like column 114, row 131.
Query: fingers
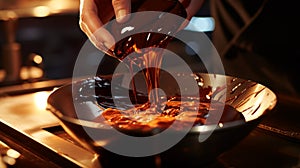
column 184, row 24
column 103, row 40
column 122, row 8
column 92, row 26
column 185, row 3
column 192, row 7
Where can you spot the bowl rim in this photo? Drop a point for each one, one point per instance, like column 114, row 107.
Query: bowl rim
column 195, row 129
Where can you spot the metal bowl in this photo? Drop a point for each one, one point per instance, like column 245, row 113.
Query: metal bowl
column 251, row 99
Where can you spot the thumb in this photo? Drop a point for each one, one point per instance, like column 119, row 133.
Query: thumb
column 122, row 8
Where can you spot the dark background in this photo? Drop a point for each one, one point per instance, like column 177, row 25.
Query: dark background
column 58, row 39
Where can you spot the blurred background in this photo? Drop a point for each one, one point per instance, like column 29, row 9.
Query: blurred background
column 49, row 41
column 42, row 38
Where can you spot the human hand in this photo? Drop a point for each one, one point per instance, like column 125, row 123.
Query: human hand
column 95, row 13
column 191, row 7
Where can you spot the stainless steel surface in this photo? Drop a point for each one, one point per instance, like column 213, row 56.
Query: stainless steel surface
column 26, row 116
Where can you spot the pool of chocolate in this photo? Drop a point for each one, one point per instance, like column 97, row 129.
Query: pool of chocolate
column 142, row 117
column 155, row 123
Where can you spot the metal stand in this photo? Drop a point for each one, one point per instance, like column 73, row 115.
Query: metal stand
column 11, row 52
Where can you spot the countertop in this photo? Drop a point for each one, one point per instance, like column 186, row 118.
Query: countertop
column 274, row 143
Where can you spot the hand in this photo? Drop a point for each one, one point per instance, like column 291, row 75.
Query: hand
column 95, row 13
column 191, row 7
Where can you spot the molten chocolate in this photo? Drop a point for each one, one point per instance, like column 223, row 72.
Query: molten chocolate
column 143, row 117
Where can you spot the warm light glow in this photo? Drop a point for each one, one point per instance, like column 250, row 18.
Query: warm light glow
column 41, row 11
column 8, row 15
column 31, row 73
column 126, row 29
column 13, row 153
column 8, row 160
column 2, row 75
column 40, row 99
column 221, row 125
column 201, row 24
column 136, row 49
column 38, row 59
column 101, row 143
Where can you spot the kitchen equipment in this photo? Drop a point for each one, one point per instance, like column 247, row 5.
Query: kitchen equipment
column 10, row 13
column 252, row 99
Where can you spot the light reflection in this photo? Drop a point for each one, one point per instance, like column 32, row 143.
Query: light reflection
column 31, row 73
column 41, row 11
column 8, row 15
column 40, row 99
column 201, row 24
column 8, row 160
column 38, row 59
column 101, row 143
column 221, row 125
column 13, row 153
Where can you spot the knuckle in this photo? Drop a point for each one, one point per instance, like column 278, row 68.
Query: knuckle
column 83, row 16
column 81, row 24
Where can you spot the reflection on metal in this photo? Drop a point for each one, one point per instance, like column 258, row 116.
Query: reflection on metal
column 40, row 100
column 13, row 153
column 28, row 109
column 201, row 24
column 8, row 156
